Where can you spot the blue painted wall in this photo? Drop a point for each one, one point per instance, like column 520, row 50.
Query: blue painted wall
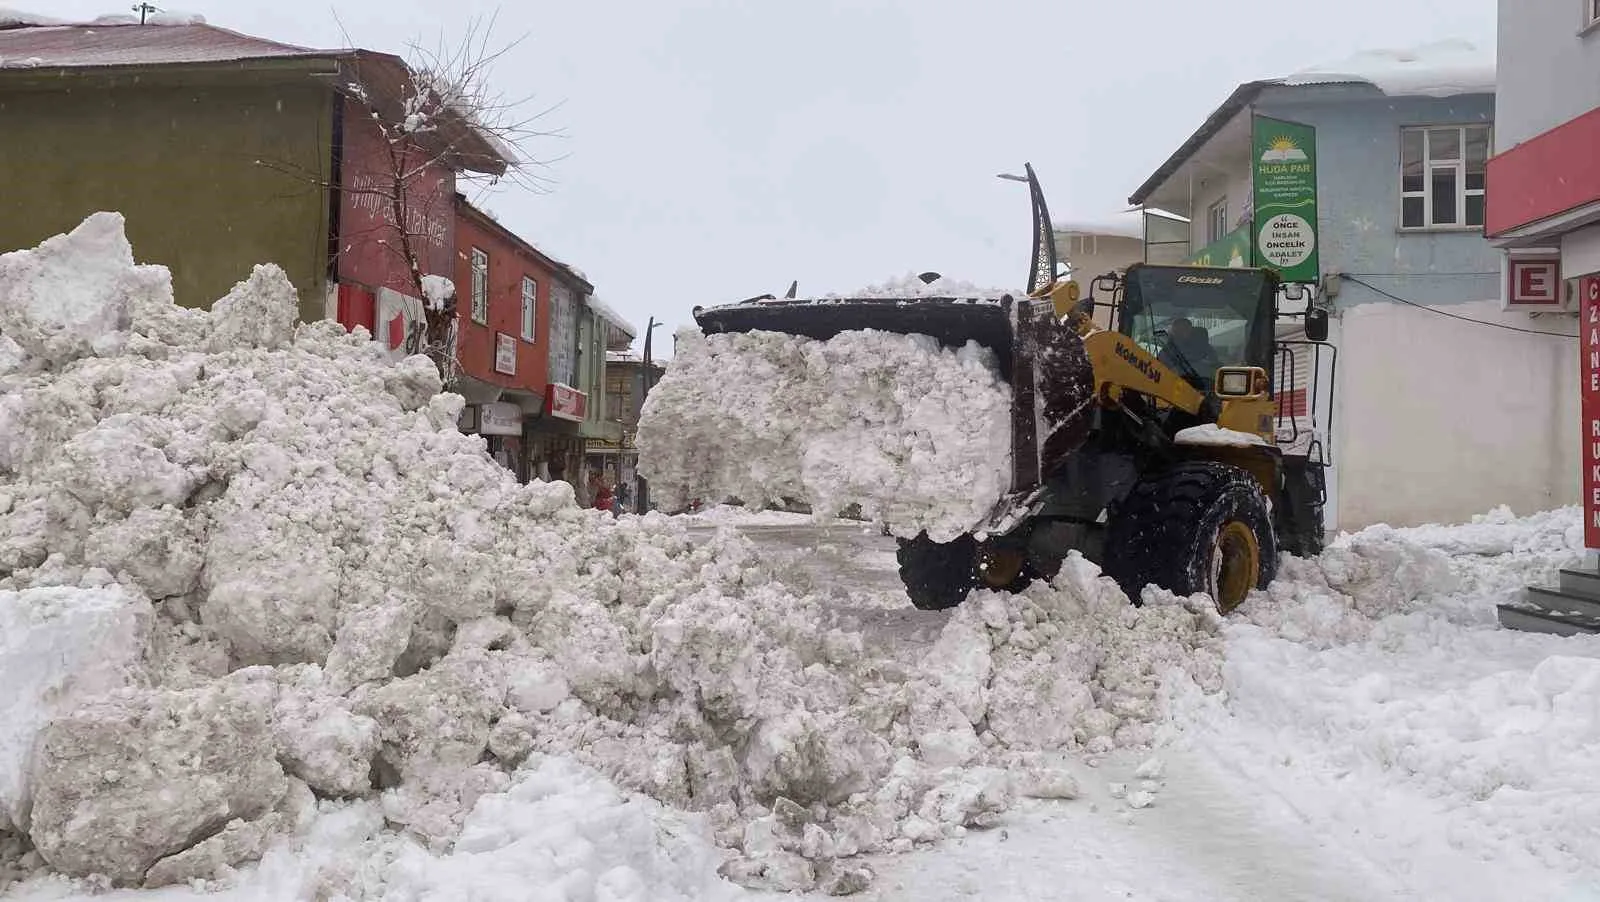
column 1358, row 146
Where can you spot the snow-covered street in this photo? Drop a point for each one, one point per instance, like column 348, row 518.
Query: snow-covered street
column 1399, row 748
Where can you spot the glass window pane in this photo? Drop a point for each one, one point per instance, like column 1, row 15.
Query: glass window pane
column 1411, row 146
column 1411, row 179
column 1474, row 181
column 1475, row 209
column 1444, row 144
column 1477, row 146
column 1411, row 210
column 1444, row 197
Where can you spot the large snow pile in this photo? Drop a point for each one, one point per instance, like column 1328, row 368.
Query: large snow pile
column 256, row 589
column 916, row 434
column 1439, row 69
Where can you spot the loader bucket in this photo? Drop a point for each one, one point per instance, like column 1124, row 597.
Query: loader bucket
column 952, row 322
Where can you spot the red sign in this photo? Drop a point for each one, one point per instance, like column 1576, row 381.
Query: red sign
column 1544, row 176
column 1589, row 296
column 1534, row 282
column 565, row 402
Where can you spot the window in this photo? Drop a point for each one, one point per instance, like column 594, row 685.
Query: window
column 1217, row 221
column 530, row 309
column 480, row 286
column 1442, row 176
column 1591, row 13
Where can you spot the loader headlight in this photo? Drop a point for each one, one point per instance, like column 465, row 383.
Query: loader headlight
column 1233, row 382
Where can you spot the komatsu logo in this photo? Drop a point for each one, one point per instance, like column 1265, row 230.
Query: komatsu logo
column 1199, row 280
column 1139, row 363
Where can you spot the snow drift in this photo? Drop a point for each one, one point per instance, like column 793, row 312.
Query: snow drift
column 228, row 532
column 917, row 435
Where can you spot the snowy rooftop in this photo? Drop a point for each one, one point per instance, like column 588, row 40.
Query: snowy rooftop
column 113, row 42
column 612, row 316
column 1122, row 225
column 1440, row 69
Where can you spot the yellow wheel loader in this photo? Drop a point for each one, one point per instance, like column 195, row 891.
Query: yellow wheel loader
column 1155, row 447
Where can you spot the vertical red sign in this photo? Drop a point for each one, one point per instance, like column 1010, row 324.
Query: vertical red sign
column 1589, row 294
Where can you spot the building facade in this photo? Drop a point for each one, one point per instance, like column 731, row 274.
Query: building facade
column 1413, row 287
column 224, row 150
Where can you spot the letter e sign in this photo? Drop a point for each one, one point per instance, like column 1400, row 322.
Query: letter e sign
column 1535, row 281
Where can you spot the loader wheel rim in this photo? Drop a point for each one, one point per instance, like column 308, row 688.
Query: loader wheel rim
column 1235, row 564
column 998, row 569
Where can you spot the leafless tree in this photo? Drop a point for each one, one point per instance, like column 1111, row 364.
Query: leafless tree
column 438, row 126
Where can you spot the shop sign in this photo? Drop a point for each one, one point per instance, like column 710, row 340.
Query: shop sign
column 401, row 323
column 1533, row 282
column 500, row 418
column 505, row 354
column 1284, row 190
column 565, row 402
column 1589, row 300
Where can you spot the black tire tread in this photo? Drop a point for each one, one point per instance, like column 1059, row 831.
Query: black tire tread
column 936, row 576
column 1154, row 536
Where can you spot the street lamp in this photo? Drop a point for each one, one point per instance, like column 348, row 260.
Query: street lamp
column 1011, row 177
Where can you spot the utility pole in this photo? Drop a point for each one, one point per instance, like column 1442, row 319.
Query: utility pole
column 144, row 9
column 647, row 380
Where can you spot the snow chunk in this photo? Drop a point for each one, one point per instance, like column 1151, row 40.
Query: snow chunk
column 437, row 291
column 259, row 312
column 59, row 646
column 916, row 434
column 1210, row 434
column 69, row 297
column 134, row 777
column 1439, row 69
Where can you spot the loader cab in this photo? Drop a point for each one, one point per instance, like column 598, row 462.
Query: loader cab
column 1197, row 318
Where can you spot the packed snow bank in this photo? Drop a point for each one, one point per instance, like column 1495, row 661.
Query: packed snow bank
column 356, row 609
column 916, row 434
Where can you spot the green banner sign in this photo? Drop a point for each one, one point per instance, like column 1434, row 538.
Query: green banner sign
column 1231, row 250
column 1284, row 176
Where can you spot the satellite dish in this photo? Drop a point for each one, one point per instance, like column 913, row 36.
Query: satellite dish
column 928, row 278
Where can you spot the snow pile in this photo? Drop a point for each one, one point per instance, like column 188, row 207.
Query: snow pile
column 438, row 291
column 14, row 18
column 1212, row 435
column 911, row 285
column 1440, row 69
column 256, row 585
column 917, row 435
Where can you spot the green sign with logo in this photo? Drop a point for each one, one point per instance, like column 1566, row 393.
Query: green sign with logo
column 1232, row 250
column 1284, row 177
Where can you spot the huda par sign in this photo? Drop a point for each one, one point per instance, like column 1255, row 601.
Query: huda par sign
column 1284, row 181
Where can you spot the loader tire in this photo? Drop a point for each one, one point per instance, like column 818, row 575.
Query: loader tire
column 937, row 575
column 1197, row 527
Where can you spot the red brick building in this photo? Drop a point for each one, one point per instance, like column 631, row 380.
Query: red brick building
column 504, row 287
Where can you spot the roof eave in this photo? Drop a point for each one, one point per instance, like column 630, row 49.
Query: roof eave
column 466, row 208
column 1241, row 98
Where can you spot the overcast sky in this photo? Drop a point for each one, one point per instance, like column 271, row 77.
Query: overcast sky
column 717, row 150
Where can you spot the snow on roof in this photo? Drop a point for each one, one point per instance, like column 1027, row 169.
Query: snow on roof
column 612, row 316
column 1128, row 224
column 1439, row 69
column 83, row 46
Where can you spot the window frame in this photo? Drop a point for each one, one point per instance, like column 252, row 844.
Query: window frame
column 1591, row 16
column 1217, row 221
column 479, row 267
column 529, row 326
column 1458, row 166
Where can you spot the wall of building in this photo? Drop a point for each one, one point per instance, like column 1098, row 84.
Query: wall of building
column 1440, row 419
column 1235, row 187
column 370, row 237
column 508, row 264
column 1358, row 147
column 181, row 161
column 1095, row 255
column 1546, row 72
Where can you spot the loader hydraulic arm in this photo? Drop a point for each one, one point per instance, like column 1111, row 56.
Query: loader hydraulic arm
column 1121, row 365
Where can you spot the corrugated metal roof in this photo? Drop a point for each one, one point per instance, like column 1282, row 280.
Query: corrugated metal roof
column 96, row 46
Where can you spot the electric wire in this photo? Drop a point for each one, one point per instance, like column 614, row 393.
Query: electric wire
column 1466, row 319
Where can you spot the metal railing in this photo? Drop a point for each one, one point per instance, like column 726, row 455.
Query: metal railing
column 1286, row 384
